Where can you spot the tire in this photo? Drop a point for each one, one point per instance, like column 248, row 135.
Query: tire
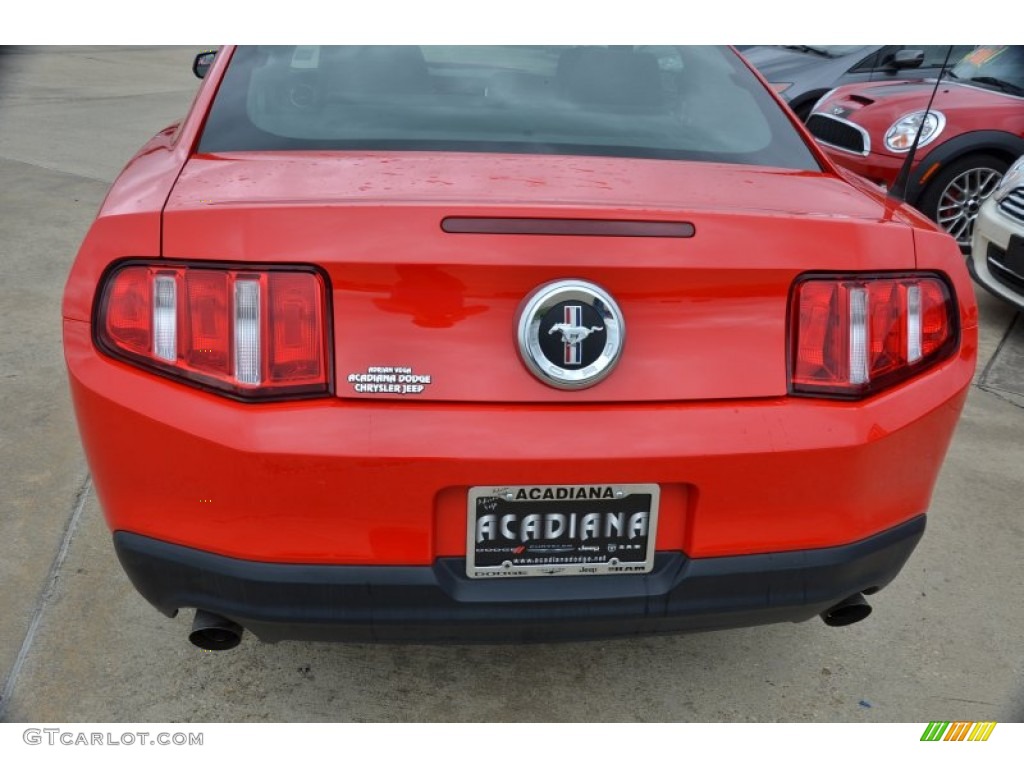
column 953, row 197
column 803, row 111
column 803, row 107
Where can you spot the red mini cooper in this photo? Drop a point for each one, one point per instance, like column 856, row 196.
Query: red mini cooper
column 498, row 343
column 970, row 136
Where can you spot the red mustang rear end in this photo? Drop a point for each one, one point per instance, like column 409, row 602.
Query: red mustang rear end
column 452, row 343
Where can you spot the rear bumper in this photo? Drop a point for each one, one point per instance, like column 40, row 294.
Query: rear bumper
column 438, row 603
column 345, row 483
column 993, row 228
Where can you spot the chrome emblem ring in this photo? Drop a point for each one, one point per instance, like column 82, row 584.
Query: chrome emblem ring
column 570, row 333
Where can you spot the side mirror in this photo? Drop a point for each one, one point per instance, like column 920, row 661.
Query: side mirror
column 202, row 63
column 907, row 59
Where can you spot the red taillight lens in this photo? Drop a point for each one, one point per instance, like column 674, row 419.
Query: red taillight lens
column 821, row 346
column 935, row 311
column 207, row 324
column 296, row 319
column 128, row 321
column 251, row 333
column 854, row 335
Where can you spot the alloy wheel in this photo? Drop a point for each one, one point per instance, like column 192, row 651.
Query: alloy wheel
column 962, row 198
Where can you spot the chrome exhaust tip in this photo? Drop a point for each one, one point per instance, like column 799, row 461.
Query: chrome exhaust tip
column 851, row 610
column 214, row 633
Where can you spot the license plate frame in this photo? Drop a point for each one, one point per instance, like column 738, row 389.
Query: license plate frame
column 619, row 540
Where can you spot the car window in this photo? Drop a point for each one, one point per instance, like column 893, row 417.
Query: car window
column 698, row 102
column 934, row 56
column 997, row 66
column 871, row 62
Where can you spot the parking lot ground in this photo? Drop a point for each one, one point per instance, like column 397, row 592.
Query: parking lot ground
column 1001, row 375
column 78, row 644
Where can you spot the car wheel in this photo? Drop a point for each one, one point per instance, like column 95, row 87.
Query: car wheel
column 953, row 197
column 803, row 109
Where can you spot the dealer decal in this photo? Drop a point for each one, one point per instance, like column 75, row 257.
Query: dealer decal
column 389, row 380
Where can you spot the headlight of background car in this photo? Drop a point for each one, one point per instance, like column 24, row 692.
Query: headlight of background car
column 900, row 136
column 1012, row 179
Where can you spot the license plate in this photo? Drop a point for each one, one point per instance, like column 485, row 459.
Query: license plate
column 561, row 530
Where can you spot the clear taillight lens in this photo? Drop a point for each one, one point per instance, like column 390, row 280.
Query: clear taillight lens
column 854, row 335
column 255, row 333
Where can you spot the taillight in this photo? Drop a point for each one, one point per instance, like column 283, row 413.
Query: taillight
column 854, row 335
column 251, row 333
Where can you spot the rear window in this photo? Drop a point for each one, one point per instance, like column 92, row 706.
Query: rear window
column 669, row 102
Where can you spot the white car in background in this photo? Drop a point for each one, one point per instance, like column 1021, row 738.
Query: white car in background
column 997, row 252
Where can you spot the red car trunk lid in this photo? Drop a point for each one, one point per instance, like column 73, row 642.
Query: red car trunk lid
column 705, row 315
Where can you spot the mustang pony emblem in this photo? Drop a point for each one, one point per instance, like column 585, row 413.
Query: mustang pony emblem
column 574, row 334
column 556, row 333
